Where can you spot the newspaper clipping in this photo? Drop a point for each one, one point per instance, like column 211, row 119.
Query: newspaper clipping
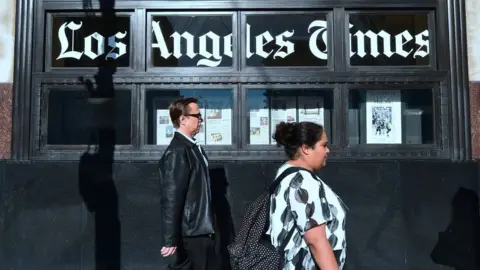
column 165, row 128
column 284, row 109
column 259, row 127
column 384, row 117
column 218, row 121
column 311, row 110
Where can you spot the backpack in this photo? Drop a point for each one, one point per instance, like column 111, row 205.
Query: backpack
column 252, row 249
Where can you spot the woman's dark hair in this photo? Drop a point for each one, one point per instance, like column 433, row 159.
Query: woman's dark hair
column 293, row 135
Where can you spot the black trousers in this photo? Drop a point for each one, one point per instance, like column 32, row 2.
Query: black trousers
column 197, row 253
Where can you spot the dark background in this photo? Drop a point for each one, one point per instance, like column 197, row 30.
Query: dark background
column 396, row 211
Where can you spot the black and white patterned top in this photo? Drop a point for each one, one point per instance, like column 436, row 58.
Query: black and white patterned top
column 304, row 200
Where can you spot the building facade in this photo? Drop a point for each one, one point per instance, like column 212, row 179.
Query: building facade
column 92, row 81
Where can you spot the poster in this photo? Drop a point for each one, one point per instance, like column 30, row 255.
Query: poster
column 283, row 109
column 259, row 126
column 165, row 129
column 218, row 121
column 384, row 117
column 311, row 109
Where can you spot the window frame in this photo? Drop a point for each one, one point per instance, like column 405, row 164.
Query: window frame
column 439, row 149
column 214, row 149
column 450, row 74
column 175, row 71
column 379, row 68
column 48, row 67
column 41, row 149
column 245, row 129
column 330, row 48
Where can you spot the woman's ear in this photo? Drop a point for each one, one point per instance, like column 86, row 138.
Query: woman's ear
column 305, row 149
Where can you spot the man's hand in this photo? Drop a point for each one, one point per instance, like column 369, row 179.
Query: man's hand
column 168, row 251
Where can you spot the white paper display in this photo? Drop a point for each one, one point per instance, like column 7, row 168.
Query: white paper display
column 284, row 109
column 259, row 129
column 384, row 117
column 218, row 121
column 311, row 109
column 165, row 129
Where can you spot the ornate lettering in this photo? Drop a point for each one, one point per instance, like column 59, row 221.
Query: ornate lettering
column 211, row 58
column 210, row 48
column 312, row 43
column 420, row 41
column 64, row 44
column 400, row 40
column 88, row 43
column 114, row 44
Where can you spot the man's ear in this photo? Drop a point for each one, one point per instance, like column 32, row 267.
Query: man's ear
column 181, row 120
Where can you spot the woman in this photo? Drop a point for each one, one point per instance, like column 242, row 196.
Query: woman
column 304, row 203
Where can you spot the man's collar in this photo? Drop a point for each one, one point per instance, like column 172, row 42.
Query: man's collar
column 192, row 140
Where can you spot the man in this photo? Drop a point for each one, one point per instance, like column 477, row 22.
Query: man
column 186, row 195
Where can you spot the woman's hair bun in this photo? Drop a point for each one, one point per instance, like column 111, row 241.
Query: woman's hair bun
column 284, row 133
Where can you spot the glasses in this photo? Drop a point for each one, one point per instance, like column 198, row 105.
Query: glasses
column 196, row 115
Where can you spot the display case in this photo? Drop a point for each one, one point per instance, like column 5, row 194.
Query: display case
column 251, row 64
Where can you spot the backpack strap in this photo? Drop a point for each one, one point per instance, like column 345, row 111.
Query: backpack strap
column 272, row 188
column 284, row 174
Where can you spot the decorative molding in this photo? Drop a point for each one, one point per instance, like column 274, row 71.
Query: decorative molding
column 288, row 78
column 241, row 155
column 459, row 90
column 22, row 79
column 244, row 4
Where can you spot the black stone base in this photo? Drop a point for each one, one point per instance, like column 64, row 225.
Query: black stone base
column 396, row 211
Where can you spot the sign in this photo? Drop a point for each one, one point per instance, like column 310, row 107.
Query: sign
column 211, row 48
column 89, row 49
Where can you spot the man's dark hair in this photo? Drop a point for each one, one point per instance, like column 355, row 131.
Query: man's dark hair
column 178, row 108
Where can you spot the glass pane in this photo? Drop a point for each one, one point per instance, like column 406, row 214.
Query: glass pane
column 215, row 106
column 286, row 40
column 391, row 116
column 389, row 40
column 267, row 108
column 192, row 41
column 72, row 120
column 85, row 41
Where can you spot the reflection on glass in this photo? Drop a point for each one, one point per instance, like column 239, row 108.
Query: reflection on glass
column 389, row 40
column 286, row 40
column 192, row 41
column 215, row 107
column 267, row 108
column 84, row 41
column 71, row 119
column 391, row 117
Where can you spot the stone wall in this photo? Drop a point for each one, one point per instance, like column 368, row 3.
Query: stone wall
column 7, row 41
column 473, row 37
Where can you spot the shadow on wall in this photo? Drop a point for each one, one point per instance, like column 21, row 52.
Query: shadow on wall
column 223, row 214
column 459, row 245
column 95, row 174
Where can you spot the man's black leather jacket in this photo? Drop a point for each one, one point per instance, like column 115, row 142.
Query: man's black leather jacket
column 185, row 192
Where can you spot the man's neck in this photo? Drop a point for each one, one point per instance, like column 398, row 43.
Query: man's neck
column 185, row 133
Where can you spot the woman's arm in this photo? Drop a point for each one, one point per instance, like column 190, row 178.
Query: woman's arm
column 321, row 249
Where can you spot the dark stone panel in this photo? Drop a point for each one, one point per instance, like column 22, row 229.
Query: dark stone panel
column 368, row 189
column 430, row 194
column 396, row 210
